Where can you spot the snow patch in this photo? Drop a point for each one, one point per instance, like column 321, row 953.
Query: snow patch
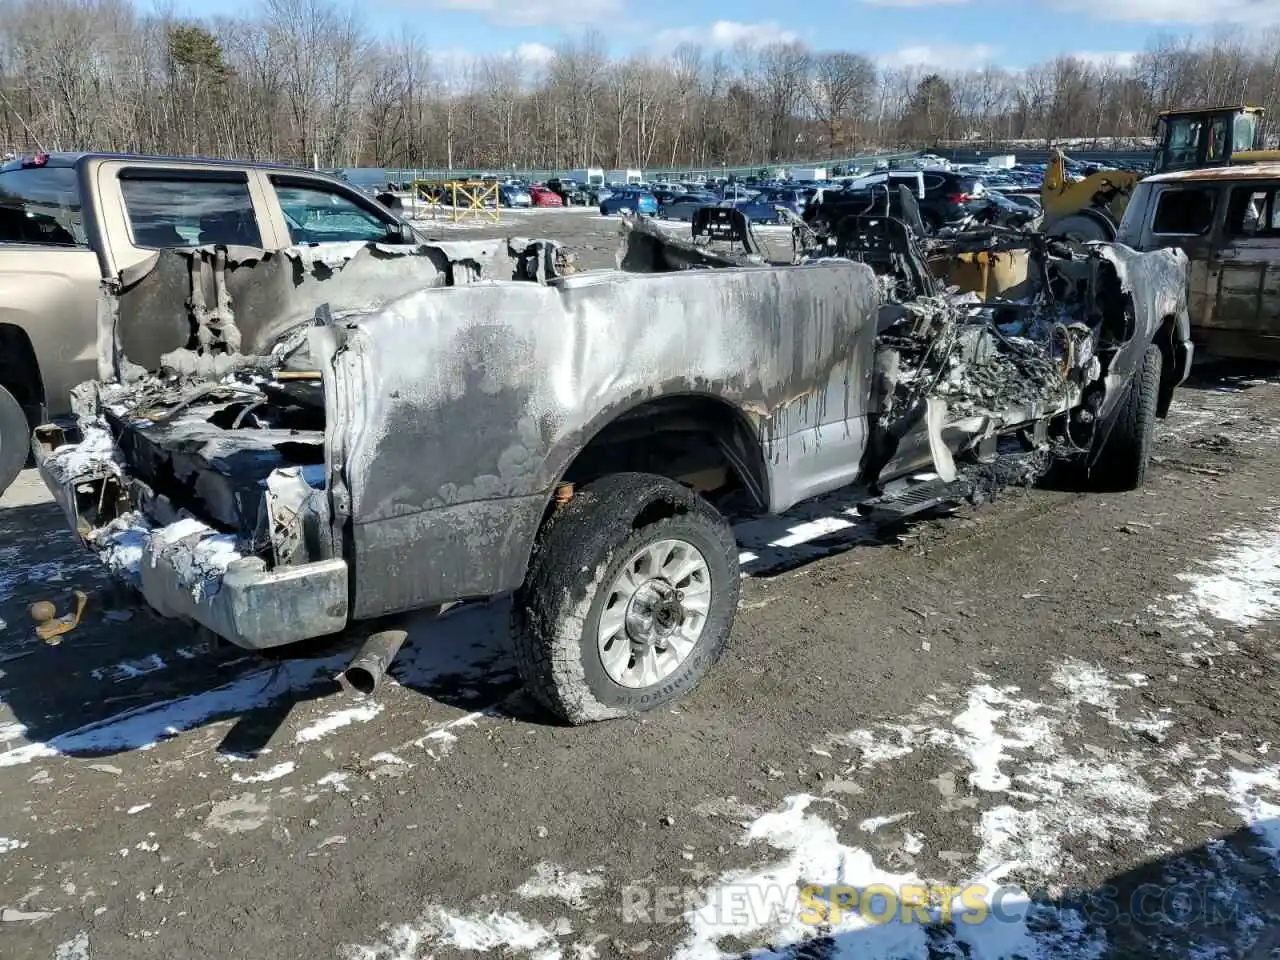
column 984, row 745
column 1240, row 586
column 144, row 727
column 439, row 927
column 439, row 743
column 8, row 844
column 872, row 824
column 77, row 948
column 1083, row 799
column 812, row 854
column 336, row 721
column 1085, row 683
column 336, row 780
column 551, row 882
column 875, row 747
column 1256, row 798
column 271, row 773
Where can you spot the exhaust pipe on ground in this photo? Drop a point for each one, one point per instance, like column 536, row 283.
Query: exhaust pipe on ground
column 367, row 668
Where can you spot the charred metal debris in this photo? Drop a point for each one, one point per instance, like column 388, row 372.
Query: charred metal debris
column 992, row 324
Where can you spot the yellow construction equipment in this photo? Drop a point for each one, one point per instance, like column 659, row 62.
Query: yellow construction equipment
column 1090, row 209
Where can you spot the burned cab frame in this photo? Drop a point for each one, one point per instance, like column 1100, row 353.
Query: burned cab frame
column 280, row 445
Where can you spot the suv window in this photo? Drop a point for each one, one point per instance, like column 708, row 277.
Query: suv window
column 1184, row 213
column 41, row 205
column 172, row 208
column 1252, row 212
column 316, row 214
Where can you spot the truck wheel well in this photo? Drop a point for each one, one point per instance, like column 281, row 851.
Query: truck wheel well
column 19, row 371
column 1171, row 368
column 700, row 441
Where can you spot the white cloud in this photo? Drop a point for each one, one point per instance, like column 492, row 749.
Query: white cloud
column 725, row 34
column 1122, row 59
column 456, row 67
column 942, row 56
column 536, row 54
column 1171, row 12
column 538, row 13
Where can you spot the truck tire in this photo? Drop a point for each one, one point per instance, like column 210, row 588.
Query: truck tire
column 15, row 439
column 1126, row 453
column 1081, row 229
column 619, row 614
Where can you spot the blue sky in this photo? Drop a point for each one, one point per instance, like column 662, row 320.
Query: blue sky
column 952, row 34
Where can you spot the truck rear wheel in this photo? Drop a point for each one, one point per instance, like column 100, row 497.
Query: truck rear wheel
column 1126, row 453
column 619, row 614
column 15, row 439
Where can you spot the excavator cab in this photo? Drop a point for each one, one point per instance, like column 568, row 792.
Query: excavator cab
column 1210, row 137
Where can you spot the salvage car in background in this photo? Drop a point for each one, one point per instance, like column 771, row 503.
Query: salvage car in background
column 276, row 451
column 514, row 195
column 67, row 218
column 544, row 196
column 1227, row 220
column 995, row 208
column 629, row 200
column 683, row 206
column 763, row 208
column 570, row 191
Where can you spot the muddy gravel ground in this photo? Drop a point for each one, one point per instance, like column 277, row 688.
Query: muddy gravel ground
column 1052, row 720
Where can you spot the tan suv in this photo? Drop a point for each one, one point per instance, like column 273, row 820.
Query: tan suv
column 69, row 220
column 1227, row 219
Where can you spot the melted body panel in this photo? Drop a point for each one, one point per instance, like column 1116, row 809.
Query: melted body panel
column 451, row 459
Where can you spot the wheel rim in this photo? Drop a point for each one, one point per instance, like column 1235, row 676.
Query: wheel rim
column 654, row 613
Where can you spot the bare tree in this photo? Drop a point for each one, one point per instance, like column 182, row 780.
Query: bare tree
column 840, row 93
column 296, row 79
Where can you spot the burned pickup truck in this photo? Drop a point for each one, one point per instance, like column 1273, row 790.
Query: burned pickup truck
column 283, row 444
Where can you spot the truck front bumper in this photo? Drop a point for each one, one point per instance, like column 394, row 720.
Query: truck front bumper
column 186, row 568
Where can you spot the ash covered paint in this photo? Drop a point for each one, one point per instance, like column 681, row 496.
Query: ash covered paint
column 533, row 373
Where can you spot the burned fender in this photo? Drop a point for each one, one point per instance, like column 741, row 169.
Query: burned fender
column 454, row 411
column 1153, row 285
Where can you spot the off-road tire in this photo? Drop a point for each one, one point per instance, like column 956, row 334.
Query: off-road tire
column 15, row 439
column 1126, row 453
column 582, row 547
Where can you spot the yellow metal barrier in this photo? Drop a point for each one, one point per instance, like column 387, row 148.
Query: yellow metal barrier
column 455, row 200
